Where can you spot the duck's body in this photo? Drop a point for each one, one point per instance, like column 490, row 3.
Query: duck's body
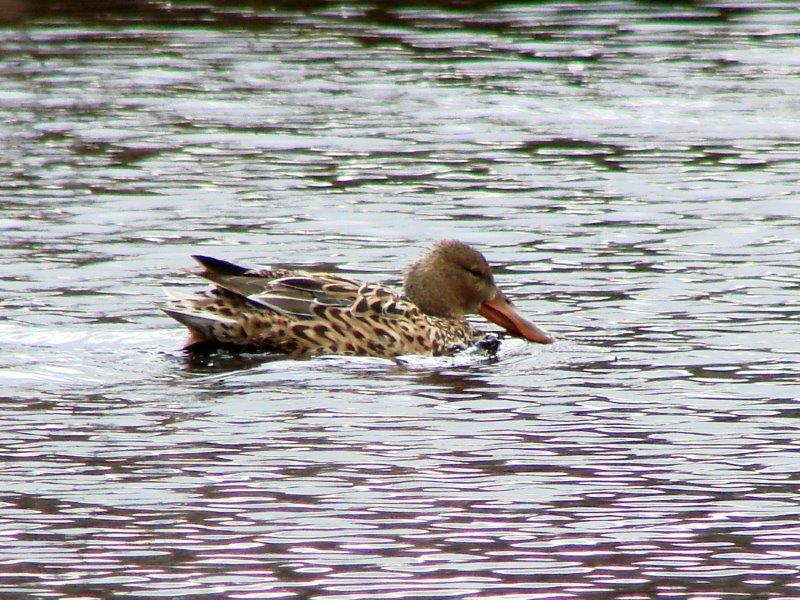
column 302, row 313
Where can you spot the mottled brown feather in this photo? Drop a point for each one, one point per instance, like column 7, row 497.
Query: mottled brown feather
column 341, row 317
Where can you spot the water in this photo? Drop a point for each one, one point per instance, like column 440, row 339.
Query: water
column 630, row 169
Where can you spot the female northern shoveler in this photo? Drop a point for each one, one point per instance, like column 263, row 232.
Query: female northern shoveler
column 302, row 313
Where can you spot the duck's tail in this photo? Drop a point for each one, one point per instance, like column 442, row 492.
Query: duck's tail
column 201, row 327
column 201, row 316
column 220, row 316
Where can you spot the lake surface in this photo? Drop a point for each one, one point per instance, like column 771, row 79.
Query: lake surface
column 631, row 170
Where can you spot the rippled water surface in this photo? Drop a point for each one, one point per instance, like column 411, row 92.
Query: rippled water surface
column 630, row 169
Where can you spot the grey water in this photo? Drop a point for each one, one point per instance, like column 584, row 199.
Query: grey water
column 631, row 171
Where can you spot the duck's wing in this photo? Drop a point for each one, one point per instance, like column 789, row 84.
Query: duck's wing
column 239, row 280
column 289, row 292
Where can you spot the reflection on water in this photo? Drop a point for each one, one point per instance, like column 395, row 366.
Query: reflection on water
column 631, row 171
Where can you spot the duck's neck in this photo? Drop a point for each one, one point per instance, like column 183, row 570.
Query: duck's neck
column 426, row 286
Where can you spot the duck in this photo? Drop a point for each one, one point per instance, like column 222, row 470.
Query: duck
column 303, row 313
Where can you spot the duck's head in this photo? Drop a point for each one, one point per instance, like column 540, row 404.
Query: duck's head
column 453, row 279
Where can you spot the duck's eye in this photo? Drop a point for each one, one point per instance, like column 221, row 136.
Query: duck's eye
column 475, row 273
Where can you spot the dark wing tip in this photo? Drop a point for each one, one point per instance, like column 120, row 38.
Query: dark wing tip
column 216, row 265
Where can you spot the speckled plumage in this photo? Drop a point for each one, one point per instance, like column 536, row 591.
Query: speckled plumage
column 301, row 313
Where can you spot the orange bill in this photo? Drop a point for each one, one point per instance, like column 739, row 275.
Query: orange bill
column 500, row 311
